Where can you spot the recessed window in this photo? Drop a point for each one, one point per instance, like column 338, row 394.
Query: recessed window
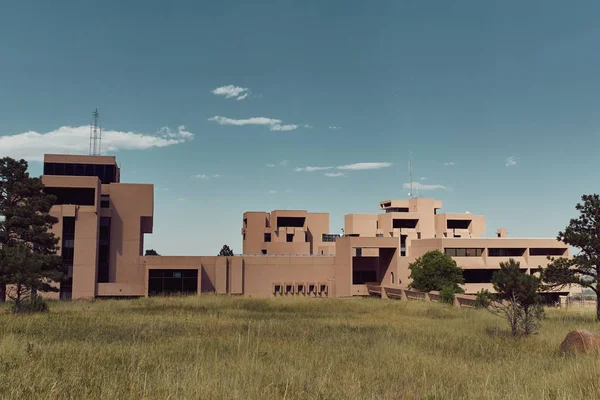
column 289, row 237
column 264, row 251
column 104, row 201
column 358, row 252
column 267, row 237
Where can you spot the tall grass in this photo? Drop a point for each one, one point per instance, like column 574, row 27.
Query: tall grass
column 213, row 347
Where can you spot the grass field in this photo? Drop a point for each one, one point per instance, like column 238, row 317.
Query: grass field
column 213, row 347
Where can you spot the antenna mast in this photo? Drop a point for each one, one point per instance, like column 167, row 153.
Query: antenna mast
column 95, row 134
column 411, row 176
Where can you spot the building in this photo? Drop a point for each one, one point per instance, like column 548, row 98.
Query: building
column 102, row 223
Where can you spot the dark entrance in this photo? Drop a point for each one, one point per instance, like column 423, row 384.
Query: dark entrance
column 168, row 281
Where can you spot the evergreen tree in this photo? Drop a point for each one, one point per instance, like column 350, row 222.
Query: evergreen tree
column 226, row 251
column 28, row 260
column 583, row 268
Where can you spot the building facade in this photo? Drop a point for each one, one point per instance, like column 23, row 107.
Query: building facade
column 102, row 223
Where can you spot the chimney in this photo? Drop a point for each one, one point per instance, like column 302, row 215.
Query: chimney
column 501, row 232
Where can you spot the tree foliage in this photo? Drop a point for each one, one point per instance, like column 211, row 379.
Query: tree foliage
column 28, row 260
column 151, row 252
column 226, row 251
column 517, row 298
column 583, row 233
column 436, row 271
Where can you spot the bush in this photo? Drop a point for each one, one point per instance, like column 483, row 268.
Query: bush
column 34, row 304
column 483, row 299
column 447, row 295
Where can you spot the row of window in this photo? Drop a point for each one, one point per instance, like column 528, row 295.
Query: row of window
column 106, row 173
column 504, row 252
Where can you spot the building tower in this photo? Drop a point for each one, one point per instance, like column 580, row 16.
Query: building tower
column 95, row 134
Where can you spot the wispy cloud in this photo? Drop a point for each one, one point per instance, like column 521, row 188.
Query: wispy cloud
column 271, row 165
column 33, row 145
column 283, row 163
column 420, row 186
column 204, row 177
column 510, row 161
column 334, row 174
column 366, row 165
column 334, row 127
column 272, row 191
column 423, row 178
column 449, row 163
column 311, row 169
column 308, row 126
column 231, row 91
column 273, row 123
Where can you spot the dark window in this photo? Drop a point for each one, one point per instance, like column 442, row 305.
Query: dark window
column 358, row 252
column 104, row 201
column 387, row 204
column 170, row 281
column 79, row 196
column 405, row 223
column 506, row 252
column 478, row 275
column 291, row 222
column 403, row 245
column 330, row 237
column 463, row 252
column 245, row 222
column 264, row 251
column 547, row 252
column 362, row 277
column 458, row 223
column 106, row 173
column 267, row 237
column 104, row 250
column 396, row 209
column 67, row 255
column 289, row 237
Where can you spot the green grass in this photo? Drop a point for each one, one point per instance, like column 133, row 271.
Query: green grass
column 213, row 347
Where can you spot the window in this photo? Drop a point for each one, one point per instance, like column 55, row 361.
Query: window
column 264, row 251
column 289, row 237
column 362, row 277
column 106, row 173
column 290, row 222
column 245, row 222
column 358, row 252
column 379, row 235
column 392, row 277
column 104, row 201
column 267, row 237
column 547, row 252
column 507, row 252
column 397, row 209
column 169, row 281
column 458, row 223
column 405, row 223
column 104, row 250
column 330, row 237
column 459, row 252
column 78, row 196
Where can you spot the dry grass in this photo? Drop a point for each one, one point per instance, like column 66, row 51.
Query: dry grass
column 232, row 348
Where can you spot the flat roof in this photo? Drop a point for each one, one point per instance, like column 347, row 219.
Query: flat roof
column 79, row 159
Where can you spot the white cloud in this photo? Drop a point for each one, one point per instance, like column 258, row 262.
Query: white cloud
column 423, row 178
column 334, row 127
column 449, row 163
column 311, row 169
column 273, row 123
column 33, row 145
column 510, row 161
column 271, row 165
column 334, row 174
column 420, row 186
column 283, row 163
column 284, row 127
column 204, row 177
column 230, row 91
column 308, row 126
column 272, row 191
column 363, row 166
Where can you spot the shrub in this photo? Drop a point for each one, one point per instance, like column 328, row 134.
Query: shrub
column 483, row 299
column 34, row 304
column 447, row 295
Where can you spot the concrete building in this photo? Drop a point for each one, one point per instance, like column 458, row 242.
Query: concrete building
column 102, row 223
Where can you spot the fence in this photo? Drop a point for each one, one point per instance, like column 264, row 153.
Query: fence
column 396, row 293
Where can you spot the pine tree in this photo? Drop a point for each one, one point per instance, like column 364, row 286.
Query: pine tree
column 226, row 251
column 28, row 260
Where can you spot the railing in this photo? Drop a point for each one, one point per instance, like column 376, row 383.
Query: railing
column 396, row 293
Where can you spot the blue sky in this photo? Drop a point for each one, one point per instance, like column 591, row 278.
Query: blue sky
column 497, row 101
